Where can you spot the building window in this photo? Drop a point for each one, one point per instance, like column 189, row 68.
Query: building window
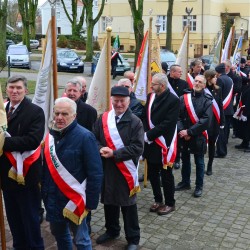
column 59, row 30
column 192, row 22
column 57, row 14
column 162, row 20
column 95, row 3
column 103, row 24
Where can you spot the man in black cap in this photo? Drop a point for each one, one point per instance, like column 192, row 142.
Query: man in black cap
column 226, row 85
column 121, row 137
column 244, row 73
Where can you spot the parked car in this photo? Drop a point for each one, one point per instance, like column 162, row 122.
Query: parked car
column 19, row 56
column 208, row 61
column 120, row 69
column 168, row 57
column 68, row 60
column 34, row 44
column 8, row 43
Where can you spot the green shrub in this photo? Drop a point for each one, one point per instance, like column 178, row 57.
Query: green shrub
column 62, row 42
column 96, row 45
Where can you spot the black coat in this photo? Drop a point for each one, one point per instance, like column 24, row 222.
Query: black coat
column 202, row 103
column 86, row 114
column 225, row 83
column 164, row 116
column 135, row 105
column 214, row 128
column 26, row 127
column 115, row 190
column 178, row 85
column 237, row 82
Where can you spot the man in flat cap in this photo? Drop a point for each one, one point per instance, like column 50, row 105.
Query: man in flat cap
column 121, row 137
column 226, row 85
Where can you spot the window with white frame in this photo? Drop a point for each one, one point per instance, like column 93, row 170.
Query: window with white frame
column 95, row 3
column 162, row 20
column 193, row 22
column 103, row 24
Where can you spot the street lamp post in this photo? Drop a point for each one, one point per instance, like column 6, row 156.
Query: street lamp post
column 158, row 26
column 54, row 42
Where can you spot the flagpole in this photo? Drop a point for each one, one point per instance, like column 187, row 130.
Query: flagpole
column 108, row 63
column 231, row 43
column 149, row 54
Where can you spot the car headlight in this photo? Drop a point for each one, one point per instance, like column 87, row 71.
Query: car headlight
column 63, row 64
column 80, row 63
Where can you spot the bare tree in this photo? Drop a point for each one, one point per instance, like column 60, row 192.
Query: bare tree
column 138, row 25
column 3, row 22
column 169, row 25
column 12, row 13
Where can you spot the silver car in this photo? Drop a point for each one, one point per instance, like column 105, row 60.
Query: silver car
column 34, row 44
column 19, row 56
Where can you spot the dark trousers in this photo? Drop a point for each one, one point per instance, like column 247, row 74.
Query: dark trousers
column 130, row 218
column 113, row 69
column 22, row 210
column 186, row 168
column 211, row 150
column 167, row 179
column 223, row 137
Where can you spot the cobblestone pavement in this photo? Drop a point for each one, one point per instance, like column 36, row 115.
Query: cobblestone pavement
column 220, row 219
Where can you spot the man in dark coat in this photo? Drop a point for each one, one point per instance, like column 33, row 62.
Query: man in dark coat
column 194, row 119
column 71, row 177
column 178, row 85
column 86, row 115
column 115, row 56
column 161, row 114
column 20, row 190
column 226, row 85
column 120, row 137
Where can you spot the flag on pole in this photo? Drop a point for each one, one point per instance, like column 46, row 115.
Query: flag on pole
column 97, row 96
column 217, row 53
column 44, row 93
column 226, row 51
column 3, row 122
column 116, row 44
column 182, row 57
column 237, row 54
column 155, row 57
column 141, row 71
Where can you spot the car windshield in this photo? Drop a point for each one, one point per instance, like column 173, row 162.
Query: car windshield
column 66, row 54
column 17, row 51
column 167, row 57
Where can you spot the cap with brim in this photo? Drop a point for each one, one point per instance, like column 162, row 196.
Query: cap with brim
column 119, row 91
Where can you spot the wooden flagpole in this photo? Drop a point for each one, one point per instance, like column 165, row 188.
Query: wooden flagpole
column 231, row 43
column 108, row 63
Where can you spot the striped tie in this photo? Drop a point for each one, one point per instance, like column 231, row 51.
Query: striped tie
column 10, row 113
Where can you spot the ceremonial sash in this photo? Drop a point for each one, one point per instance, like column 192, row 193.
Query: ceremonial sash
column 215, row 107
column 21, row 163
column 168, row 154
column 243, row 74
column 127, row 168
column 68, row 185
column 191, row 112
column 228, row 98
column 114, row 55
column 190, row 80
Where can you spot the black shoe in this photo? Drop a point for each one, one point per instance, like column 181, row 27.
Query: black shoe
column 241, row 146
column 177, row 165
column 132, row 247
column 209, row 172
column 197, row 192
column 247, row 150
column 182, row 186
column 219, row 156
column 106, row 237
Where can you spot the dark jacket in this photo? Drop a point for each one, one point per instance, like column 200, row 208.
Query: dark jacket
column 115, row 189
column 135, row 106
column 178, row 85
column 164, row 116
column 86, row 115
column 214, row 128
column 77, row 150
column 245, row 79
column 225, row 83
column 202, row 103
column 115, row 58
column 84, row 97
column 26, row 127
column 237, row 82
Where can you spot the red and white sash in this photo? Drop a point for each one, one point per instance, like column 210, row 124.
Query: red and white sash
column 168, row 154
column 228, row 98
column 127, row 168
column 21, row 163
column 190, row 80
column 68, row 185
column 215, row 107
column 191, row 112
column 114, row 55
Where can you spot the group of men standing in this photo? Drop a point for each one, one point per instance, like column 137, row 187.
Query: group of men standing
column 83, row 156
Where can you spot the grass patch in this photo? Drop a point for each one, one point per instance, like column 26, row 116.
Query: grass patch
column 20, row 70
column 31, row 86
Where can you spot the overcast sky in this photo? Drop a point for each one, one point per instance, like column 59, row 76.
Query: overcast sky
column 40, row 2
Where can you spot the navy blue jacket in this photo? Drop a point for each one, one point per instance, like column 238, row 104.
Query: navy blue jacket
column 77, row 150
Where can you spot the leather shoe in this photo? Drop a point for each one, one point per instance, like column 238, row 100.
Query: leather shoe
column 154, row 208
column 182, row 186
column 197, row 192
column 132, row 247
column 177, row 165
column 247, row 150
column 106, row 237
column 209, row 172
column 163, row 210
column 219, row 156
column 241, row 146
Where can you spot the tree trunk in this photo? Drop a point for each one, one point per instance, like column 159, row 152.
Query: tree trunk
column 89, row 42
column 169, row 25
column 3, row 21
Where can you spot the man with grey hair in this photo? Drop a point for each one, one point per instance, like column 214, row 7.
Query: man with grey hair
column 71, row 177
column 86, row 115
column 19, row 178
column 162, row 109
column 83, row 81
column 135, row 106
